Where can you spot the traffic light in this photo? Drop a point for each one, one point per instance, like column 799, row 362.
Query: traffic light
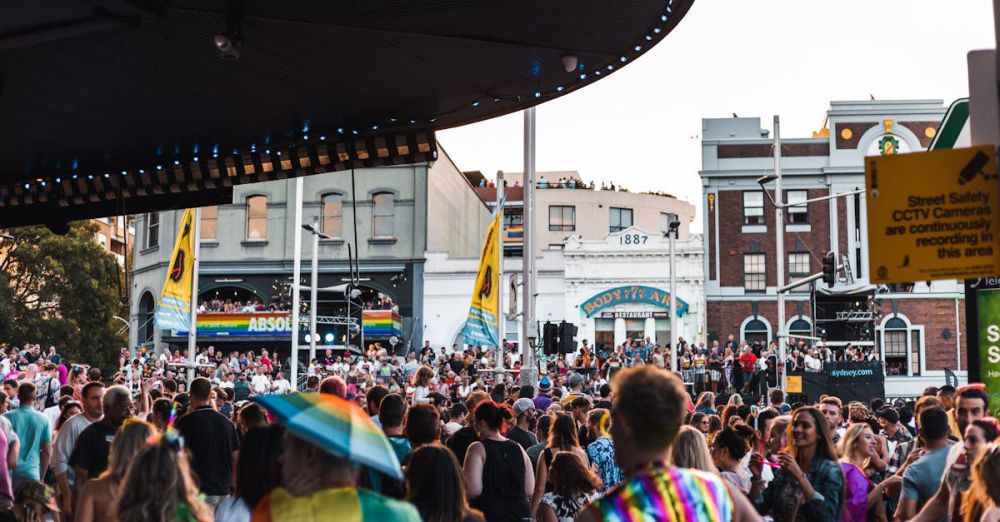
column 830, row 269
column 567, row 337
column 550, row 338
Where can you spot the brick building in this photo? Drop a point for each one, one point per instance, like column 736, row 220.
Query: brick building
column 916, row 329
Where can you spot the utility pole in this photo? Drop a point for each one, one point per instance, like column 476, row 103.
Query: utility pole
column 296, row 275
column 529, row 366
column 779, row 253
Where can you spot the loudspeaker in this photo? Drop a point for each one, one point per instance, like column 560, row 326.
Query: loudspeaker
column 567, row 337
column 550, row 338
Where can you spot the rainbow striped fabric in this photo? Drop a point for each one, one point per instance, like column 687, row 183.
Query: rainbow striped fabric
column 668, row 494
column 243, row 324
column 335, row 425
column 515, row 231
column 381, row 323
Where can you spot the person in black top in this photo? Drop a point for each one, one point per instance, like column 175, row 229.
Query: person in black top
column 90, row 455
column 211, row 439
column 605, row 401
column 496, row 470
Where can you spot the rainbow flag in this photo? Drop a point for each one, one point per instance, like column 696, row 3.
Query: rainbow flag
column 381, row 323
column 515, row 231
column 243, row 325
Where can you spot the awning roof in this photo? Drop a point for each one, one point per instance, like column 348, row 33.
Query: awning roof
column 133, row 98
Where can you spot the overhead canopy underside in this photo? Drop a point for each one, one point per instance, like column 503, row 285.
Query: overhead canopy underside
column 111, row 106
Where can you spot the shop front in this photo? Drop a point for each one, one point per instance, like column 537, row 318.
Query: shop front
column 626, row 313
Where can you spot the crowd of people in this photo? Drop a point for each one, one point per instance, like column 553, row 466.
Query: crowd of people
column 234, row 306
column 607, row 435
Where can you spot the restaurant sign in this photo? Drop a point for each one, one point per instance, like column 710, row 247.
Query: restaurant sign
column 631, row 294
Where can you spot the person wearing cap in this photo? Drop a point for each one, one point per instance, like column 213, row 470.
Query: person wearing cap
column 575, row 383
column 544, row 397
column 524, row 413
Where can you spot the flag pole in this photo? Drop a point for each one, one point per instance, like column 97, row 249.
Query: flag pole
column 500, row 316
column 193, row 329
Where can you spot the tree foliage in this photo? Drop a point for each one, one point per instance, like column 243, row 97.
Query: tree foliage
column 63, row 291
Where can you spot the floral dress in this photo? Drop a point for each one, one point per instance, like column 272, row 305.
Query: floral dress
column 567, row 508
column 602, row 454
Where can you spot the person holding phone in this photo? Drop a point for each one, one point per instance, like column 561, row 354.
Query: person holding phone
column 809, row 484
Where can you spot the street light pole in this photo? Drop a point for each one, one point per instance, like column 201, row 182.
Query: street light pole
column 296, row 275
column 529, row 364
column 779, row 253
column 671, row 235
column 312, row 293
column 501, row 327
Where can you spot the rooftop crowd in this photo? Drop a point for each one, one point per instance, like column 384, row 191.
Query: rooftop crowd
column 609, row 434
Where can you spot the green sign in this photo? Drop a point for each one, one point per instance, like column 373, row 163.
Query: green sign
column 988, row 316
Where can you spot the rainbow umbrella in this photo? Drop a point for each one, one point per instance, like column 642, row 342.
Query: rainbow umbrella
column 336, row 426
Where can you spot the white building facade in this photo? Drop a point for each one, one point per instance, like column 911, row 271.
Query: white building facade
column 612, row 289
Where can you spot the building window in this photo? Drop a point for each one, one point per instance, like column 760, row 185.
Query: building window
column 621, row 218
column 146, row 328
column 209, row 223
column 799, row 330
column 333, row 214
column 152, row 230
column 257, row 218
column 894, row 350
column 756, row 331
column 754, row 273
column 562, row 218
column 383, row 216
column 753, row 208
column 798, row 214
column 665, row 219
column 798, row 268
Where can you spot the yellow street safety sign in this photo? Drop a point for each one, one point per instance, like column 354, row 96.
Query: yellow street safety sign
column 933, row 215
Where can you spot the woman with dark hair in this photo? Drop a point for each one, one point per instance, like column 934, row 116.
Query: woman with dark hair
column 250, row 416
column 434, row 485
column 809, row 485
column 574, row 485
column 700, row 421
column 728, row 450
column 258, row 471
column 496, row 470
column 69, row 409
column 563, row 436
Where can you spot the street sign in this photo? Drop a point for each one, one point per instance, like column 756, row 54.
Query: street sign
column 933, row 215
column 953, row 133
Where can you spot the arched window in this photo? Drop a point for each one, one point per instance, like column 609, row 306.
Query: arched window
column 800, row 328
column 257, row 218
column 145, row 331
column 383, row 214
column 755, row 331
column 333, row 214
column 894, row 335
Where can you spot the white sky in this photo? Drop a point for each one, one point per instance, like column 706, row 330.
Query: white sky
column 641, row 126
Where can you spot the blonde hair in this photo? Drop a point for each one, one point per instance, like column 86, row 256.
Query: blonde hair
column 705, row 400
column 690, row 450
column 849, row 441
column 158, row 486
column 985, row 488
column 131, row 438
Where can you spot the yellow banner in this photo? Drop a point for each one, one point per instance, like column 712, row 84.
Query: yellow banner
column 173, row 311
column 482, row 327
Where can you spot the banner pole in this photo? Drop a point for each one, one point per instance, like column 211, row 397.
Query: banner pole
column 193, row 330
column 500, row 320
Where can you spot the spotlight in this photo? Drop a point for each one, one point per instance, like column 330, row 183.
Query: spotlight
column 570, row 62
column 228, row 46
column 328, row 338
